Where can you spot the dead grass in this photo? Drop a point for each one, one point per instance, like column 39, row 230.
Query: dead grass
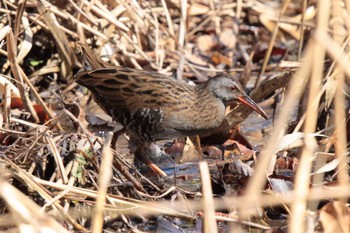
column 57, row 175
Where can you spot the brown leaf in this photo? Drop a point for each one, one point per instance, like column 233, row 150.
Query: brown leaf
column 281, row 163
column 244, row 152
column 213, row 152
column 206, row 42
column 228, row 38
column 219, row 58
column 16, row 102
column 190, row 153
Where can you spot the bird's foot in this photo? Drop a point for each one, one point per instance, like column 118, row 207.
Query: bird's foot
column 148, row 153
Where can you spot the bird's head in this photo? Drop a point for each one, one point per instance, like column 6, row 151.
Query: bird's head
column 228, row 89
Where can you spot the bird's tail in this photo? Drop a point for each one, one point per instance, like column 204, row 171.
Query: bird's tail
column 89, row 59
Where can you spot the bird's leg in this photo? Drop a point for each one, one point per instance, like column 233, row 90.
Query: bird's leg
column 222, row 147
column 146, row 150
column 120, row 166
column 197, row 144
column 116, row 136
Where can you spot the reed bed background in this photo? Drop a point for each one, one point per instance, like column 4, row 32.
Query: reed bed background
column 57, row 176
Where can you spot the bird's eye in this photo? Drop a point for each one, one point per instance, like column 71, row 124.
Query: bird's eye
column 232, row 88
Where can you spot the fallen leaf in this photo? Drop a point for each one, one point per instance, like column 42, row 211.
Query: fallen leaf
column 190, row 153
column 218, row 58
column 330, row 166
column 280, row 185
column 292, row 140
column 228, row 38
column 206, row 42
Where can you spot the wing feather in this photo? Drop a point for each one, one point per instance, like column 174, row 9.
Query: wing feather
column 129, row 89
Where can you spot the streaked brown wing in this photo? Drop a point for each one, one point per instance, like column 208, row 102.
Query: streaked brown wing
column 129, row 89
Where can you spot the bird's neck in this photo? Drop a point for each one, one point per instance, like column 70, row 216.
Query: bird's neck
column 210, row 109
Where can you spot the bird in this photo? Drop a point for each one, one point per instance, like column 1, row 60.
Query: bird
column 152, row 107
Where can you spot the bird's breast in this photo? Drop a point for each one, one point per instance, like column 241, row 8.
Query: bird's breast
column 198, row 118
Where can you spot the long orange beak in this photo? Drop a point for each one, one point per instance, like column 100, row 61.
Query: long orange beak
column 246, row 100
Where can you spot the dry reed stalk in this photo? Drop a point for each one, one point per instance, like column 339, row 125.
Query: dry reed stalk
column 239, row 9
column 78, row 9
column 340, row 142
column 26, row 213
column 271, row 44
column 105, row 176
column 266, row 200
column 142, row 20
column 301, row 189
column 58, row 159
column 154, row 208
column 16, row 71
column 60, row 38
column 102, row 12
column 46, row 109
column 7, row 103
column 35, row 18
column 209, row 221
column 123, row 205
column 169, row 20
column 302, row 29
column 214, row 17
column 74, row 20
column 340, row 105
column 29, row 180
column 294, row 92
column 181, row 39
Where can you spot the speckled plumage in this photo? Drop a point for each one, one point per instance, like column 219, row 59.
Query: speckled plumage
column 152, row 106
